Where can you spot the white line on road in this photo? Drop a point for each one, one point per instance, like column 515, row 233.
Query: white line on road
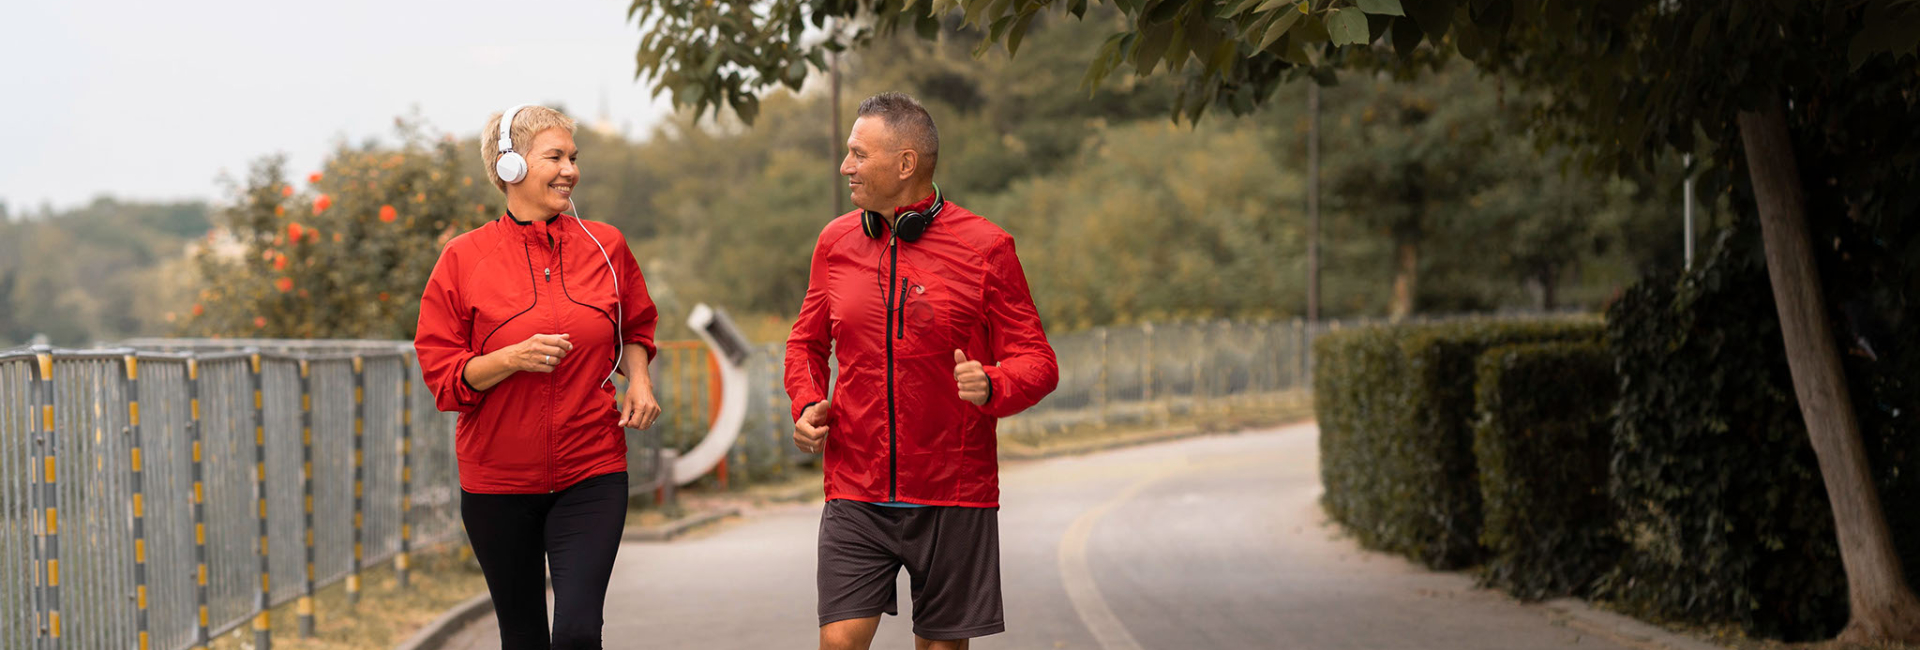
column 1081, row 589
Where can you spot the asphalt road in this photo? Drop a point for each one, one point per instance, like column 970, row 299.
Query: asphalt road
column 1195, row 544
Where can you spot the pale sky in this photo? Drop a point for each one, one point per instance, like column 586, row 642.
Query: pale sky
column 154, row 100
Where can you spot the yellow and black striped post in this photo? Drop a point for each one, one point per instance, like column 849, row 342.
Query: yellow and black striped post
column 137, row 478
column 303, row 608
column 263, row 603
column 359, row 475
column 200, row 636
column 36, row 490
column 402, row 559
column 50, row 495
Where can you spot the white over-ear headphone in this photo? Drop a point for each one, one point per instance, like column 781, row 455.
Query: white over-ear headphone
column 510, row 166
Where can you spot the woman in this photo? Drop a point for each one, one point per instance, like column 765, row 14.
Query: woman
column 523, row 323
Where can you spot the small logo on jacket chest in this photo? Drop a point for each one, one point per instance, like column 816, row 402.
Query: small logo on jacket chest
column 920, row 313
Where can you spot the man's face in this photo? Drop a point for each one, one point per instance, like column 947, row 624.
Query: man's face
column 873, row 165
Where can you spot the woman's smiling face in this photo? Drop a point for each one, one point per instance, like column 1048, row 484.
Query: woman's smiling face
column 551, row 174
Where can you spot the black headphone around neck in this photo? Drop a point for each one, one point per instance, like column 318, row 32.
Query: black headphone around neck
column 909, row 225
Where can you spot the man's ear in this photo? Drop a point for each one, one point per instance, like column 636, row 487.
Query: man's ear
column 909, row 163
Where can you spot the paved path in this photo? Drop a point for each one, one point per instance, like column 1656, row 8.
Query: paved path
column 1197, row 544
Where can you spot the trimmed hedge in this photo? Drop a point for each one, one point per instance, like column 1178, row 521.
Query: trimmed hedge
column 1543, row 439
column 1720, row 496
column 1395, row 404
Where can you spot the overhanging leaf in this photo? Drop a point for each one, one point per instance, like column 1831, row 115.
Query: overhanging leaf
column 1164, row 11
column 1270, row 5
column 1153, row 46
column 1433, row 17
column 1347, row 27
column 1019, row 32
column 1278, row 28
column 1381, row 7
column 1406, row 37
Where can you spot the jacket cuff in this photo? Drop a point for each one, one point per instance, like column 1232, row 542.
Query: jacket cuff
column 801, row 406
column 996, row 405
column 464, row 393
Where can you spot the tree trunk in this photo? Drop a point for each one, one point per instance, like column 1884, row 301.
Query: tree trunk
column 836, row 135
column 1313, row 203
column 1406, row 273
column 1882, row 605
column 1549, row 278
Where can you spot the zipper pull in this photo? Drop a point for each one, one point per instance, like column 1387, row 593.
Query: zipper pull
column 901, row 333
column 549, row 274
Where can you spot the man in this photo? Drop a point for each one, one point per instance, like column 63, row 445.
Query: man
column 926, row 309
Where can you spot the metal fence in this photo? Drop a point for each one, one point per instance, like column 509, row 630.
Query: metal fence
column 1154, row 373
column 1141, row 375
column 158, row 498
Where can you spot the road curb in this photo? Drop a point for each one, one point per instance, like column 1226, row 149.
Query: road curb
column 668, row 531
column 450, row 623
column 1623, row 629
column 1015, row 451
column 794, row 494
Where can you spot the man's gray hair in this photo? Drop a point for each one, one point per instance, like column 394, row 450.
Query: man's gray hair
column 909, row 121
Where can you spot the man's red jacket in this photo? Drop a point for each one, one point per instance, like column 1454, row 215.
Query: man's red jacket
column 499, row 284
column 892, row 317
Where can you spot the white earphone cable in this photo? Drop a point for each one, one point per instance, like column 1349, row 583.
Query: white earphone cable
column 619, row 345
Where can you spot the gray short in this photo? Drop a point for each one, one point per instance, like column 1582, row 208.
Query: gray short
column 951, row 553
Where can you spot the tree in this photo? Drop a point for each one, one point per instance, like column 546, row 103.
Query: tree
column 346, row 257
column 95, row 273
column 1812, row 100
column 1410, row 158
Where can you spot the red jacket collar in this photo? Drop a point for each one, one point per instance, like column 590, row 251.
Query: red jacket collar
column 922, row 206
column 537, row 231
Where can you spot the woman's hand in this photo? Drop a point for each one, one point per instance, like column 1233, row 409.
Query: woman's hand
column 638, row 409
column 539, row 353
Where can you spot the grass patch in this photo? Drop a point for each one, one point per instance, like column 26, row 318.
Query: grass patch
column 1225, row 414
column 386, row 615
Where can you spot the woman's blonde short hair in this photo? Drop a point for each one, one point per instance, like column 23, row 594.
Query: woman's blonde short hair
column 526, row 123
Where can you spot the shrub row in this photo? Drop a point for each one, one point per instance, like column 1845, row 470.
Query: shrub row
column 1395, row 406
column 1542, row 438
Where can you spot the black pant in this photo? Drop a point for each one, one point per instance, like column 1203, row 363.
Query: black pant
column 575, row 531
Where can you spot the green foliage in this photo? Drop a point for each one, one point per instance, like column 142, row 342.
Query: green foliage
column 1395, row 408
column 1197, row 222
column 347, row 257
column 94, row 274
column 1716, row 482
column 1234, row 52
column 1543, row 438
column 1181, row 223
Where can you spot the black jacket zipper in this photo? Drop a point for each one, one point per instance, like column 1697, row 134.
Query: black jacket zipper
column 893, row 427
column 553, row 257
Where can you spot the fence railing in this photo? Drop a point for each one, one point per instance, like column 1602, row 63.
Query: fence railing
column 1154, row 373
column 159, row 498
column 1113, row 376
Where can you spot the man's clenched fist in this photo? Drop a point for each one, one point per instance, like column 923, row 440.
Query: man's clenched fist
column 971, row 378
column 810, row 431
